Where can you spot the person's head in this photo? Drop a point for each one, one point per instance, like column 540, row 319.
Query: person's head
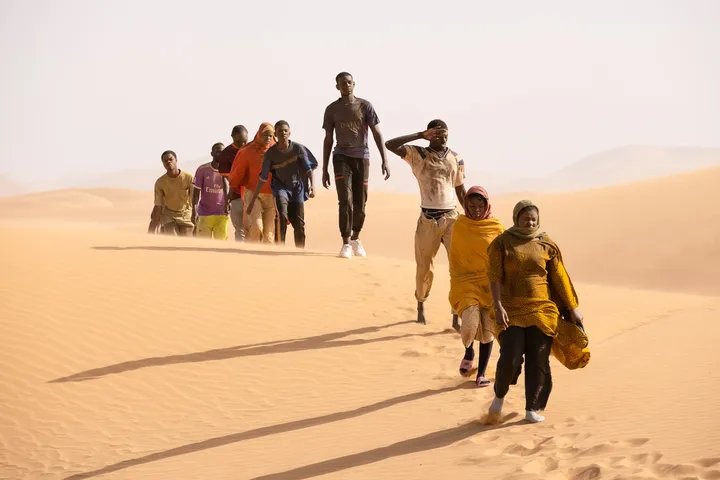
column 345, row 83
column 477, row 203
column 439, row 140
column 169, row 160
column 526, row 215
column 239, row 135
column 265, row 134
column 282, row 131
column 216, row 149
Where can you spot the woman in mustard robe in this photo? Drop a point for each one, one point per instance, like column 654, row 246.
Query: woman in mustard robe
column 470, row 295
column 530, row 289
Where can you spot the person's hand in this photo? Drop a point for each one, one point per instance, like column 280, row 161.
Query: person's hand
column 311, row 192
column 576, row 317
column 326, row 179
column 385, row 169
column 501, row 317
column 432, row 133
column 227, row 207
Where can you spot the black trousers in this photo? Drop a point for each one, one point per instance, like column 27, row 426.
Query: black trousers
column 351, row 181
column 516, row 342
column 295, row 212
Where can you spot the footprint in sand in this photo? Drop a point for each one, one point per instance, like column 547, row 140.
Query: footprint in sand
column 540, row 466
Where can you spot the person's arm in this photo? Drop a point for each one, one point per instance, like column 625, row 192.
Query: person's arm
column 496, row 257
column 397, row 145
column 262, row 180
column 327, row 149
column 460, row 181
column 157, row 209
column 329, row 127
column 256, row 192
column 311, row 183
column 563, row 286
column 377, row 135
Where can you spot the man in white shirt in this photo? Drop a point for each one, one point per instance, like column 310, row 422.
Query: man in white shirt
column 440, row 173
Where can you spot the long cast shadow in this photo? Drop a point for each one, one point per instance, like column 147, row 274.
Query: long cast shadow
column 283, row 346
column 271, row 253
column 431, row 441
column 270, row 430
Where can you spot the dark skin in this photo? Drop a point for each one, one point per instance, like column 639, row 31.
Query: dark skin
column 437, row 138
column 170, row 163
column 528, row 218
column 240, row 139
column 214, row 152
column 346, row 86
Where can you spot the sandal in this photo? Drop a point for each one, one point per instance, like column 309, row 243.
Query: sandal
column 482, row 382
column 465, row 367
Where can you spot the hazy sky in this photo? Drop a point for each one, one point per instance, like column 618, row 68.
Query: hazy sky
column 99, row 86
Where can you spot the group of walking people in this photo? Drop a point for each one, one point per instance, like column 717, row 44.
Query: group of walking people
column 506, row 284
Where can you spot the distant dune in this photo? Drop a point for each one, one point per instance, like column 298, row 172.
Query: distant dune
column 9, row 187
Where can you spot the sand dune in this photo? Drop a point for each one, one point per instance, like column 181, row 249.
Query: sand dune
column 129, row 356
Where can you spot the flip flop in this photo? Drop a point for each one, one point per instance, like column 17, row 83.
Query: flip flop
column 465, row 367
column 482, row 382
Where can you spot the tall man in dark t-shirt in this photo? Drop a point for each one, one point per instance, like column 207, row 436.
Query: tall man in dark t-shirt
column 349, row 118
column 233, row 197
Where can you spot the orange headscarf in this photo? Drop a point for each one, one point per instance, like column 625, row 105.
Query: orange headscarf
column 247, row 165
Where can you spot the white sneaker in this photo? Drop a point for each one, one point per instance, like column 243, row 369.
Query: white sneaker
column 345, row 251
column 357, row 248
column 532, row 417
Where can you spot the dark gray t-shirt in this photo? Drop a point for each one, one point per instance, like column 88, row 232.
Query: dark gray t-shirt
column 351, row 122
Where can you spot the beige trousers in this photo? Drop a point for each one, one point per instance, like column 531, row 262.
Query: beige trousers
column 261, row 221
column 477, row 324
column 428, row 237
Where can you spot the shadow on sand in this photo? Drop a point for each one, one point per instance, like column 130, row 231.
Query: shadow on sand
column 328, row 340
column 419, row 444
column 271, row 253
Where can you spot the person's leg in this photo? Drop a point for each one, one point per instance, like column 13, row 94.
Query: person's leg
column 512, row 347
column 427, row 244
column 253, row 222
column 219, row 227
column 236, row 217
column 343, row 179
column 485, row 335
column 283, row 209
column 297, row 218
column 360, row 177
column 537, row 368
column 204, row 226
column 468, row 330
column 446, row 226
column 268, row 217
column 170, row 228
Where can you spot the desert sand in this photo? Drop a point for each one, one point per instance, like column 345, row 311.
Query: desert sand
column 129, row 356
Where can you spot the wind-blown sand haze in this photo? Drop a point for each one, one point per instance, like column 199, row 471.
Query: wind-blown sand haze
column 129, row 356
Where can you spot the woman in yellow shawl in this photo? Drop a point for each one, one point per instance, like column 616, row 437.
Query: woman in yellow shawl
column 470, row 295
column 530, row 287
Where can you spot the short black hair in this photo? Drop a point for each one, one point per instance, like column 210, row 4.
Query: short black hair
column 341, row 75
column 437, row 123
column 216, row 144
column 168, row 152
column 280, row 123
column 238, row 129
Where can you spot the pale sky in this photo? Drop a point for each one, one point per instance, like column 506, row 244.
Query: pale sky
column 95, row 86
